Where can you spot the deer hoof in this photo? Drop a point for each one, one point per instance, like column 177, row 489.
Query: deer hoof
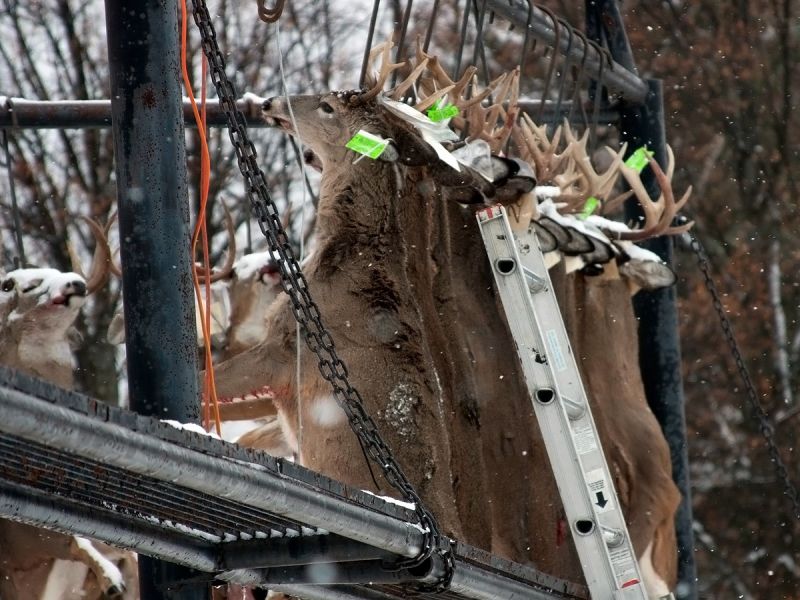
column 114, row 592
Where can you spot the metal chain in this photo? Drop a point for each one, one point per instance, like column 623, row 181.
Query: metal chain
column 766, row 428
column 305, row 310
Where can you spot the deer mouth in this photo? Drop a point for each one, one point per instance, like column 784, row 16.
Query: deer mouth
column 65, row 299
column 270, row 274
column 60, row 301
column 279, row 122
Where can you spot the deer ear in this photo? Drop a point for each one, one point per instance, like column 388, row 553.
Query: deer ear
column 466, row 186
column 409, row 149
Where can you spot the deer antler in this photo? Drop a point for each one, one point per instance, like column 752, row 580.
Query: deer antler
column 227, row 268
column 540, row 150
column 494, row 123
column 112, row 266
column 658, row 214
column 375, row 84
column 589, row 183
column 438, row 83
column 98, row 274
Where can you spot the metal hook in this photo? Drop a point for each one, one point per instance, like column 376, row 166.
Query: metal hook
column 464, row 22
column 370, row 35
column 398, row 55
column 598, row 90
column 480, row 51
column 270, row 15
column 578, row 78
column 556, row 45
column 564, row 71
column 431, row 21
column 479, row 34
column 527, row 39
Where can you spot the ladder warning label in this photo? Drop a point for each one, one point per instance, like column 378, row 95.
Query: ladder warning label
column 599, row 491
column 584, row 437
column 555, row 350
column 624, row 567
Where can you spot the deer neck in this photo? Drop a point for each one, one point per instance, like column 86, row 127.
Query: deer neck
column 38, row 351
column 248, row 308
column 369, row 202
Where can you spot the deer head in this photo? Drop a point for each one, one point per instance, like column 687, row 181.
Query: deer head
column 327, row 122
column 254, row 284
column 37, row 308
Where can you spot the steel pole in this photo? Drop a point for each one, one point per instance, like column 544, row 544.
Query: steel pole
column 659, row 342
column 153, row 209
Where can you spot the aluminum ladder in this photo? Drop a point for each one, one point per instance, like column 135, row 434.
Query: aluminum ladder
column 562, row 410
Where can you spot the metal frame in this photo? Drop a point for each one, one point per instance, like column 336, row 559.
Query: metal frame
column 153, row 215
column 611, row 74
column 49, row 481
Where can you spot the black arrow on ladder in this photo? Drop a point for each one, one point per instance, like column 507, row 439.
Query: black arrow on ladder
column 601, row 500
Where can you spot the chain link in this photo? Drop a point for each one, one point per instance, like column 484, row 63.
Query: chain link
column 305, row 310
column 764, row 425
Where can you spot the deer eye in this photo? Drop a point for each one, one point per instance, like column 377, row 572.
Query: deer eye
column 7, row 285
column 327, row 108
column 32, row 286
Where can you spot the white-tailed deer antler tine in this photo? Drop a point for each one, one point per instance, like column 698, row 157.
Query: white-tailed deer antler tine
column 671, row 208
column 543, row 152
column 386, row 68
column 660, row 213
column 400, row 89
column 227, row 268
column 477, row 99
column 98, row 275
column 429, row 101
column 460, row 85
column 112, row 266
column 649, row 207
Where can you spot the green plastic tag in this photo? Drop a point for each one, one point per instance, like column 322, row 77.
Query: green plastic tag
column 368, row 144
column 639, row 159
column 588, row 209
column 441, row 111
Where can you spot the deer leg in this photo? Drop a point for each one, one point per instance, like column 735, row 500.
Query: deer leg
column 109, row 577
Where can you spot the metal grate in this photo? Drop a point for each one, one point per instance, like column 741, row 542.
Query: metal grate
column 70, row 463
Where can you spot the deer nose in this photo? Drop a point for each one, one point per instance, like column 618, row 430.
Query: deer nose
column 77, row 287
column 267, row 104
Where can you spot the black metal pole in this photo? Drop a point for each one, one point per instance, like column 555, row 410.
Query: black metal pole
column 659, row 343
column 153, row 210
column 20, row 113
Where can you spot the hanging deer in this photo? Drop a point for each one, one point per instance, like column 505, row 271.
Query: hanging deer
column 402, row 281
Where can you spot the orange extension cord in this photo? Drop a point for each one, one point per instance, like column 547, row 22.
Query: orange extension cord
column 210, row 400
